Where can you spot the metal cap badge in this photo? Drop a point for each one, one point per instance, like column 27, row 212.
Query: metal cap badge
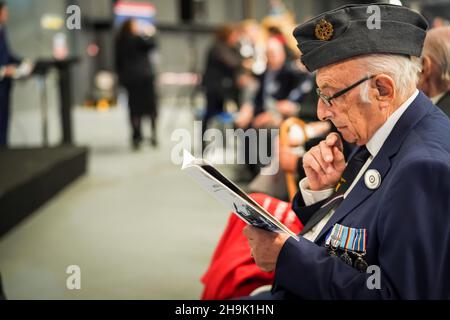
column 324, row 30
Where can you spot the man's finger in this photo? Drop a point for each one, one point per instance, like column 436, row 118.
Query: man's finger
column 317, row 154
column 313, row 164
column 339, row 159
column 333, row 139
column 326, row 151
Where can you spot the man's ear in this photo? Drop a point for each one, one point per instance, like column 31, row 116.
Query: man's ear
column 385, row 87
column 426, row 67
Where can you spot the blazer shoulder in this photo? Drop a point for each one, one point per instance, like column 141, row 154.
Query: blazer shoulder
column 429, row 139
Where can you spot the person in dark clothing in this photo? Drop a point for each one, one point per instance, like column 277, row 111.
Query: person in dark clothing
column 435, row 77
column 2, row 294
column 278, row 96
column 136, row 74
column 219, row 79
column 8, row 63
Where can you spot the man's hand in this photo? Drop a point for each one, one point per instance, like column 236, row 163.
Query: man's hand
column 10, row 70
column 266, row 120
column 244, row 117
column 265, row 246
column 287, row 108
column 325, row 163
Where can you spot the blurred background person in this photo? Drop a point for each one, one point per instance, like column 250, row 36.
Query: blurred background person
column 136, row 74
column 8, row 66
column 435, row 77
column 2, row 294
column 223, row 63
column 272, row 101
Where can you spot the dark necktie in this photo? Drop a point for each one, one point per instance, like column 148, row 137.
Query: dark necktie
column 332, row 202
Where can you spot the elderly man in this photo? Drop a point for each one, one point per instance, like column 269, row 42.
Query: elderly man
column 389, row 206
column 435, row 76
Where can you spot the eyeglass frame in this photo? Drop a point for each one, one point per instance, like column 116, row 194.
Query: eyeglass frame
column 327, row 100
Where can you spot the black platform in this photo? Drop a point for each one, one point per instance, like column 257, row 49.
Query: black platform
column 29, row 177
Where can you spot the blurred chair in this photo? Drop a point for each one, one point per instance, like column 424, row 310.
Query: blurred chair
column 286, row 141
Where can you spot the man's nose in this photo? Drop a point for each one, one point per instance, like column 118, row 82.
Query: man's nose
column 323, row 111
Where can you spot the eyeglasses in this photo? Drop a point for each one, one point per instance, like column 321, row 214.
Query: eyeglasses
column 327, row 100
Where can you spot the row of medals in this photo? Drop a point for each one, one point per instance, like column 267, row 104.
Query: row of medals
column 357, row 262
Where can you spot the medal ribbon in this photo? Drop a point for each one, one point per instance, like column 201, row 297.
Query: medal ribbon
column 347, row 239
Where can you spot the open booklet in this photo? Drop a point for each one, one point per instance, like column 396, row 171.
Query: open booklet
column 231, row 195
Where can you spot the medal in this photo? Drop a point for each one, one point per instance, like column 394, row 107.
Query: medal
column 346, row 258
column 360, row 264
column 332, row 252
column 333, row 244
column 350, row 241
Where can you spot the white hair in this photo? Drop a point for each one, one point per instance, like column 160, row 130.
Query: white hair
column 405, row 71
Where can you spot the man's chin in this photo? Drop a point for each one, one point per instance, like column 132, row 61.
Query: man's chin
column 347, row 136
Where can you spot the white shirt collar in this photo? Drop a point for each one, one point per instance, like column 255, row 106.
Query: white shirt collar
column 438, row 97
column 376, row 142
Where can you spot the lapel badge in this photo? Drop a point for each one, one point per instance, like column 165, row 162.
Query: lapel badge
column 372, row 179
column 324, row 30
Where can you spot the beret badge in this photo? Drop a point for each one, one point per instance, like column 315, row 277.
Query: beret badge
column 324, row 30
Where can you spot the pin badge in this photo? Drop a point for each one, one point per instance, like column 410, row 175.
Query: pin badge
column 372, row 179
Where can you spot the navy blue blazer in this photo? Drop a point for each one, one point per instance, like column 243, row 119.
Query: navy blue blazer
column 407, row 221
column 6, row 57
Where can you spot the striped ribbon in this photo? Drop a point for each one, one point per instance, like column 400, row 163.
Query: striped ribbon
column 346, row 238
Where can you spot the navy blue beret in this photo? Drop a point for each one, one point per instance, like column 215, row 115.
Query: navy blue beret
column 354, row 30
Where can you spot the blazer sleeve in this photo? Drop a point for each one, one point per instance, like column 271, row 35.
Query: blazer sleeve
column 413, row 228
column 304, row 212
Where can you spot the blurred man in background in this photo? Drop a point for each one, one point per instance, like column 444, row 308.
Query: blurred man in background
column 435, row 78
column 8, row 65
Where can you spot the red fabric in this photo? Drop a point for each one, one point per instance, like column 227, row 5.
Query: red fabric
column 232, row 272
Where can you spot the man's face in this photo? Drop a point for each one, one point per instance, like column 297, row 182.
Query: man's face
column 355, row 119
column 276, row 55
column 3, row 15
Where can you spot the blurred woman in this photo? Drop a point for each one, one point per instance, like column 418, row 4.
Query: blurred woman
column 222, row 65
column 136, row 74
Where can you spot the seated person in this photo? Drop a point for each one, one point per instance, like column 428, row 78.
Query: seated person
column 275, row 97
column 435, row 77
column 357, row 218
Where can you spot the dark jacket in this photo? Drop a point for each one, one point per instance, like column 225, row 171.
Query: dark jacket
column 6, row 57
column 136, row 73
column 407, row 221
column 222, row 66
column 132, row 59
column 2, row 294
column 287, row 83
column 444, row 103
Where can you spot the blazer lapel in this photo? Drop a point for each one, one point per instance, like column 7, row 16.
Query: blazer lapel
column 382, row 162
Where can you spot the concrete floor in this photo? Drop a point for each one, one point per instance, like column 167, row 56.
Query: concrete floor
column 135, row 224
